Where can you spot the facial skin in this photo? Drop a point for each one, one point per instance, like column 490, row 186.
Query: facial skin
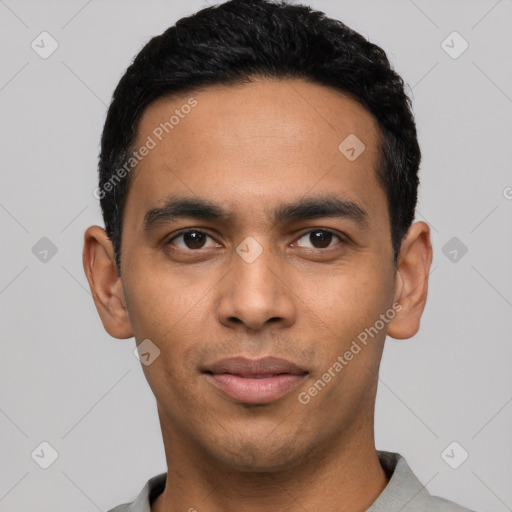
column 251, row 149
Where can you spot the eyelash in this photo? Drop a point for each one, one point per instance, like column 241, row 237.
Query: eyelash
column 194, row 230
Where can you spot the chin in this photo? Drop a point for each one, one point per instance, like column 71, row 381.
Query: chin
column 261, row 456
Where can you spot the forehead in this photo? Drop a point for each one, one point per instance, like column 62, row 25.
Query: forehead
column 249, row 146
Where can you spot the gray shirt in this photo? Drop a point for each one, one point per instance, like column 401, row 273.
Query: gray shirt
column 404, row 492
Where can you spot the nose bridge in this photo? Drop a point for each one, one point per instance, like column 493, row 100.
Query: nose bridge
column 254, row 292
column 255, row 271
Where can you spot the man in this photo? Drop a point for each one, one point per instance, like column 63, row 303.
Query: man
column 258, row 181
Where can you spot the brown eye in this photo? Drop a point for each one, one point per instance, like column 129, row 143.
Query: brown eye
column 318, row 238
column 191, row 239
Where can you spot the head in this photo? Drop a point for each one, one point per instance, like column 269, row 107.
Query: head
column 236, row 41
column 258, row 182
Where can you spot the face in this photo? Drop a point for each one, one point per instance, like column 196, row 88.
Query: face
column 256, row 255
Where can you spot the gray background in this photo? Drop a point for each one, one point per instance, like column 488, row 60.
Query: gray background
column 65, row 381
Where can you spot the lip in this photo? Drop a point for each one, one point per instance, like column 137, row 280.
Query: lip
column 255, row 381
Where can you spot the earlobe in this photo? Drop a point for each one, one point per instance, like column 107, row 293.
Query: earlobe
column 106, row 287
column 411, row 287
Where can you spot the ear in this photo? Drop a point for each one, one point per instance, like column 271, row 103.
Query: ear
column 106, row 287
column 411, row 286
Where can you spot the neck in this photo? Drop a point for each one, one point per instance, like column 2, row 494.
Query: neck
column 345, row 477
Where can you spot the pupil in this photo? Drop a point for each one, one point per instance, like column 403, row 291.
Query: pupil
column 194, row 239
column 320, row 237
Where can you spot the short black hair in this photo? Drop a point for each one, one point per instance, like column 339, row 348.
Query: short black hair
column 235, row 41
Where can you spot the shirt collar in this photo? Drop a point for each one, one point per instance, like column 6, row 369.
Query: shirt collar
column 154, row 487
column 402, row 489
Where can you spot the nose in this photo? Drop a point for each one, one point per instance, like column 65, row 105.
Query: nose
column 255, row 295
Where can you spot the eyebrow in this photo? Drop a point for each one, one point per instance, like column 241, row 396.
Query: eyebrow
column 179, row 207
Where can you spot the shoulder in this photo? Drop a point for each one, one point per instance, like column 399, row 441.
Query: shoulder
column 405, row 493
column 438, row 504
column 142, row 503
column 121, row 508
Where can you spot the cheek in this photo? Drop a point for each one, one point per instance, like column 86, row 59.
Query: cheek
column 348, row 300
column 350, row 305
column 160, row 302
column 170, row 311
column 170, row 319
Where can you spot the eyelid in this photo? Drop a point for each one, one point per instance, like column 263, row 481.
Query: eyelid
column 187, row 230
column 343, row 238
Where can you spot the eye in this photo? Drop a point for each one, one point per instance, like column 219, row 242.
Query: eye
column 319, row 238
column 192, row 239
